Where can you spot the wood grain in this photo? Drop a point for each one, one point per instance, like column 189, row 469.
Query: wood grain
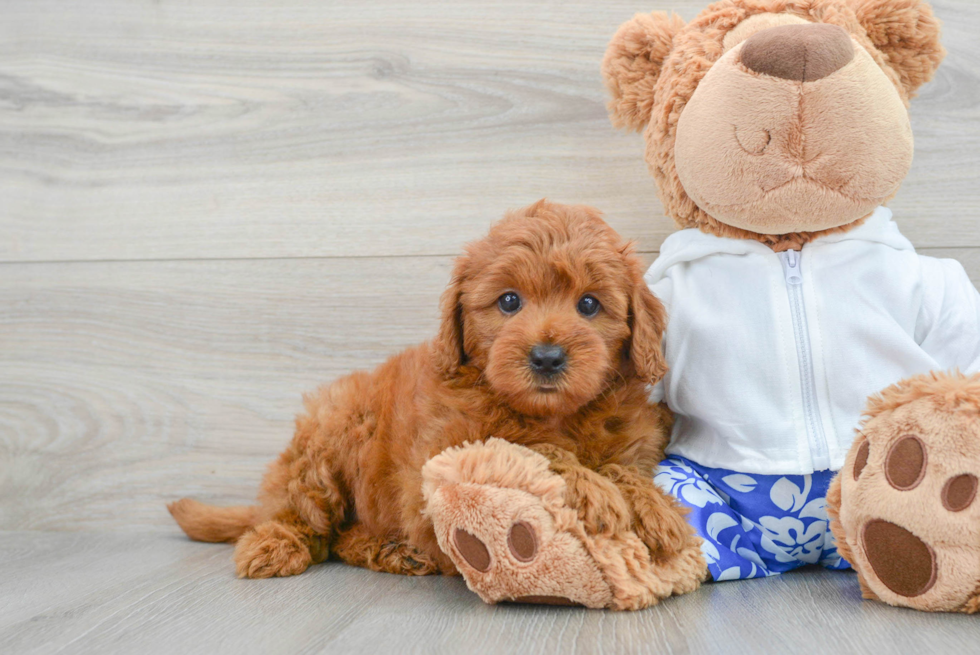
column 222, row 129
column 209, row 207
column 84, row 593
column 127, row 384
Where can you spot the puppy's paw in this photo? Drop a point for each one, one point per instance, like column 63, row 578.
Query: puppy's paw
column 658, row 518
column 601, row 507
column 906, row 503
column 271, row 549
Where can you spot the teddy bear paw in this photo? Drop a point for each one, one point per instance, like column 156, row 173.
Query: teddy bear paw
column 907, row 508
column 498, row 514
column 528, row 562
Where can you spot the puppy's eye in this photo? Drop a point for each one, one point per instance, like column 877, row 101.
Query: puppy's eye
column 509, row 303
column 588, row 306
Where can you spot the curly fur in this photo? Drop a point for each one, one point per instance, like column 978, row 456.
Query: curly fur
column 350, row 485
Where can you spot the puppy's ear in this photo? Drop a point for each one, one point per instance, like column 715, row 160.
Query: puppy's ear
column 907, row 33
column 632, row 65
column 648, row 320
column 450, row 352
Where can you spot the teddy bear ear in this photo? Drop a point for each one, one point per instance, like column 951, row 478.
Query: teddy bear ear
column 632, row 65
column 907, row 33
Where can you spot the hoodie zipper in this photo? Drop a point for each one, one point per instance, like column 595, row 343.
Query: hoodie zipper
column 793, row 274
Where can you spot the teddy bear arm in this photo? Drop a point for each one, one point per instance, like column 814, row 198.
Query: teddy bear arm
column 948, row 327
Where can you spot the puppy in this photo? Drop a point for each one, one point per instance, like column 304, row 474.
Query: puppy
column 548, row 339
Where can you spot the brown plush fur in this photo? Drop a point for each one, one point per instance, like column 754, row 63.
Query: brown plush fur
column 599, row 539
column 349, row 484
column 774, row 155
column 943, row 411
column 655, row 63
column 953, row 393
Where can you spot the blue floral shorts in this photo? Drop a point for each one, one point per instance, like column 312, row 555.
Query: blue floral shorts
column 754, row 525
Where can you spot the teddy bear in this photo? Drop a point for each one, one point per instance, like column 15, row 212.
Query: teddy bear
column 776, row 132
column 822, row 374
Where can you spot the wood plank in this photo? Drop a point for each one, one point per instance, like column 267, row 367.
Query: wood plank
column 97, row 593
column 127, row 384
column 115, row 378
column 222, row 129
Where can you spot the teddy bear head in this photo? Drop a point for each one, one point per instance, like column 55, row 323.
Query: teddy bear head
column 774, row 120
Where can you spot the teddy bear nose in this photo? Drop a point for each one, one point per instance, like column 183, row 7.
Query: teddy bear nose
column 803, row 53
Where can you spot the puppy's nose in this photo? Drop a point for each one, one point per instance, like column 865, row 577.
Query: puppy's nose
column 803, row 53
column 547, row 359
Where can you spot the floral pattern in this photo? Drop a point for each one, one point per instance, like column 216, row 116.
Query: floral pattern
column 754, row 526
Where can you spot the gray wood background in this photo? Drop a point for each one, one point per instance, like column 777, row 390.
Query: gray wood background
column 209, row 207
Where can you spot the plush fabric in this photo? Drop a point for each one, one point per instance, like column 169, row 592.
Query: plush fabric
column 799, row 53
column 514, row 527
column 812, row 162
column 901, row 37
column 773, row 130
column 757, row 23
column 904, row 506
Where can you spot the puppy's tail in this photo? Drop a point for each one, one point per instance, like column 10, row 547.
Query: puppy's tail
column 209, row 523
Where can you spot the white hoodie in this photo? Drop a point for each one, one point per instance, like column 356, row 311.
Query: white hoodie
column 773, row 356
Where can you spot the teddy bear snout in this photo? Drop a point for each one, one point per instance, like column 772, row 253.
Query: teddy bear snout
column 802, row 53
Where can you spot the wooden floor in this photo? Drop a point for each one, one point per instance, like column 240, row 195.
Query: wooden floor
column 208, row 207
column 115, row 593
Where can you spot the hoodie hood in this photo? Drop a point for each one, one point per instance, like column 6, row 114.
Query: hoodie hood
column 693, row 244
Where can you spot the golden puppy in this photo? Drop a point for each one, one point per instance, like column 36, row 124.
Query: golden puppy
column 549, row 337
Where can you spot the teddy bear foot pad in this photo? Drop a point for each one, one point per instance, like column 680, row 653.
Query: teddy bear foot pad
column 499, row 513
column 908, row 512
